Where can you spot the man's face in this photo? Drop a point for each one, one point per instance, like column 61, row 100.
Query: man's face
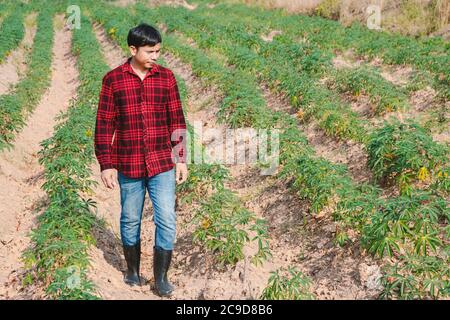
column 146, row 56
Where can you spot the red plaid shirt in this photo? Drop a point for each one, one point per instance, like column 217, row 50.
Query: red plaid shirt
column 142, row 117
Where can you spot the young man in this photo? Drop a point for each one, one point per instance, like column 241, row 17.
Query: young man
column 140, row 109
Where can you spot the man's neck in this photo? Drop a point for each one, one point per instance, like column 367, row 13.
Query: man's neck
column 138, row 68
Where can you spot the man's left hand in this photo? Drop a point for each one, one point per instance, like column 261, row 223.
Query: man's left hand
column 181, row 172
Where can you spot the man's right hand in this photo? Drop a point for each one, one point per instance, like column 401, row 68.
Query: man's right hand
column 109, row 178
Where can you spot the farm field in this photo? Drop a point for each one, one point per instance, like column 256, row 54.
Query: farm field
column 357, row 208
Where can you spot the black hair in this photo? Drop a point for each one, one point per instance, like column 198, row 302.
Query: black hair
column 143, row 35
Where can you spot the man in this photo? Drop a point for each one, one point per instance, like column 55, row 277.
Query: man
column 140, row 109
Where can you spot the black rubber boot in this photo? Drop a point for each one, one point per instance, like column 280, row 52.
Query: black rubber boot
column 133, row 258
column 161, row 263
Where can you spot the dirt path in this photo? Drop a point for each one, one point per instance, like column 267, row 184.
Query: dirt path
column 22, row 200
column 14, row 67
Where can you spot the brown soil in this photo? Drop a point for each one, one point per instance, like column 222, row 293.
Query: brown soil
column 21, row 172
column 346, row 60
column 123, row 3
column 269, row 37
column 173, row 3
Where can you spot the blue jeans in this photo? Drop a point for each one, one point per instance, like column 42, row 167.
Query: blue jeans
column 161, row 188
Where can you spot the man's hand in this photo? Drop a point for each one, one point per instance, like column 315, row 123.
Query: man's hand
column 181, row 172
column 109, row 178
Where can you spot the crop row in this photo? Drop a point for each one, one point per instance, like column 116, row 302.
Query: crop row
column 13, row 29
column 18, row 103
column 430, row 54
column 58, row 256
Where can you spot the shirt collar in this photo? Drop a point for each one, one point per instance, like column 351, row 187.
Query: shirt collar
column 126, row 67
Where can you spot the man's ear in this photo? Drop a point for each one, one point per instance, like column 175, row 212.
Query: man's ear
column 133, row 50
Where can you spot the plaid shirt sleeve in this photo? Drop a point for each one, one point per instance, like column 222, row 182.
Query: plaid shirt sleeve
column 105, row 125
column 176, row 121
